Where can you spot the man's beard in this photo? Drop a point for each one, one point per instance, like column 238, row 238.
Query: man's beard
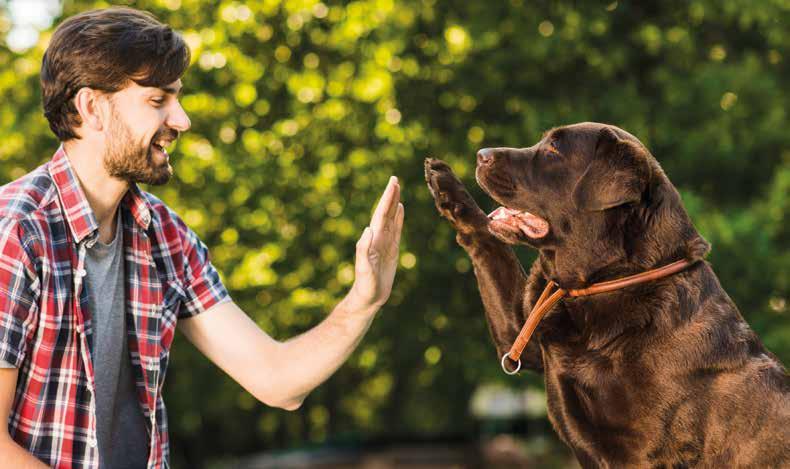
column 132, row 162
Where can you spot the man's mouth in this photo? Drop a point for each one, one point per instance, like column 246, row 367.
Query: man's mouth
column 163, row 139
column 508, row 221
column 161, row 147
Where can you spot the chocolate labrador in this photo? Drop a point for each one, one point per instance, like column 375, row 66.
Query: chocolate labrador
column 664, row 374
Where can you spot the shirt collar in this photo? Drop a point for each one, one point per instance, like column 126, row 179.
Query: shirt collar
column 78, row 211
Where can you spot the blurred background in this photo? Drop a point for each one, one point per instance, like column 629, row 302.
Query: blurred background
column 302, row 109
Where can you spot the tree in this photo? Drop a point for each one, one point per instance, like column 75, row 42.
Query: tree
column 301, row 110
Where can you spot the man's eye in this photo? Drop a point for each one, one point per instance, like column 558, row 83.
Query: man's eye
column 158, row 101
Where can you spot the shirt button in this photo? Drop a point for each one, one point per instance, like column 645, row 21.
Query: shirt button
column 82, row 272
column 92, row 442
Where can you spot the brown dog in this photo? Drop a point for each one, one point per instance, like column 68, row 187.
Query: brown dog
column 665, row 374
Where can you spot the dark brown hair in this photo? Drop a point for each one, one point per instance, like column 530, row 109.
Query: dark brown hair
column 104, row 50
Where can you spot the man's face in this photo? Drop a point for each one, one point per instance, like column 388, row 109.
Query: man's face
column 143, row 122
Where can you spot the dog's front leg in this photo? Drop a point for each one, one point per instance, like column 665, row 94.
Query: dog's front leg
column 500, row 276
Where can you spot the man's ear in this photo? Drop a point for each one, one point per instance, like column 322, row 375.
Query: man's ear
column 88, row 104
column 617, row 175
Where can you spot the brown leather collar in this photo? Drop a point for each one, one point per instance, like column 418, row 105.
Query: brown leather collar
column 548, row 299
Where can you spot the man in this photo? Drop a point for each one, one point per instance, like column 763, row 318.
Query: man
column 95, row 273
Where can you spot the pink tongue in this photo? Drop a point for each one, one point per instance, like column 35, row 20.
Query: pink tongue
column 531, row 225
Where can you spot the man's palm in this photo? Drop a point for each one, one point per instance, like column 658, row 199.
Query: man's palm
column 377, row 249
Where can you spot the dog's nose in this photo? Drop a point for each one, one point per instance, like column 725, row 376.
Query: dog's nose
column 485, row 156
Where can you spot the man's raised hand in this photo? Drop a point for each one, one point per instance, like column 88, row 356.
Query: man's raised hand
column 377, row 251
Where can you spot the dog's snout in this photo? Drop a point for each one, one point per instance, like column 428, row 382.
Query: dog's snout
column 485, row 156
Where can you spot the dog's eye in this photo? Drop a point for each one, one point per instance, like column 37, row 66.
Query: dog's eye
column 553, row 146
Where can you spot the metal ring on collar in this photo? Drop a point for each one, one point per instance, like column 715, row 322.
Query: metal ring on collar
column 504, row 368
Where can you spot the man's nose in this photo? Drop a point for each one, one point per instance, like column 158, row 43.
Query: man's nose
column 177, row 118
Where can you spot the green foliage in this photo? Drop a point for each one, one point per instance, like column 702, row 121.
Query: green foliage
column 301, row 110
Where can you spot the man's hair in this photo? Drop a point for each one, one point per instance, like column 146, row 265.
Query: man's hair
column 104, row 50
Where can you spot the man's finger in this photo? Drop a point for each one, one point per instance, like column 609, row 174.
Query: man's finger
column 394, row 246
column 389, row 240
column 389, row 233
column 392, row 210
column 398, row 224
column 388, row 200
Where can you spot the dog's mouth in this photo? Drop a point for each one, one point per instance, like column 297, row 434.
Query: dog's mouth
column 509, row 222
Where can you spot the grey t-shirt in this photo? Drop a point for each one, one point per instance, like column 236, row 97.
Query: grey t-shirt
column 120, row 425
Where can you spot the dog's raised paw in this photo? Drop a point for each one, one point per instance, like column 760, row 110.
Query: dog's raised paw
column 450, row 196
column 440, row 179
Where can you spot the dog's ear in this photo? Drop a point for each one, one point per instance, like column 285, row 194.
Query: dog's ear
column 617, row 175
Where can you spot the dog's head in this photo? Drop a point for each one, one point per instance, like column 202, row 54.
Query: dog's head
column 588, row 196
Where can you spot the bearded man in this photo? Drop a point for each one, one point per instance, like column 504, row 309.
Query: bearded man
column 95, row 273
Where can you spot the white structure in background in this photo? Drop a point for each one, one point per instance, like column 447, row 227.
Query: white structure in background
column 494, row 401
column 28, row 18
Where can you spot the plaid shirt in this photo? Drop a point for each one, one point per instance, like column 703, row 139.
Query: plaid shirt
column 46, row 224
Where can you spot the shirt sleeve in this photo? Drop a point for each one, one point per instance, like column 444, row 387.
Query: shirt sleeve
column 202, row 285
column 18, row 309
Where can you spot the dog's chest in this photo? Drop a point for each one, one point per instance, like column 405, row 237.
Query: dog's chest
column 592, row 397
column 593, row 383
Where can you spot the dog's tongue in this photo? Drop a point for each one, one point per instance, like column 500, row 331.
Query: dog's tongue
column 509, row 220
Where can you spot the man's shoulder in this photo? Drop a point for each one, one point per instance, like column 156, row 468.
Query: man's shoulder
column 27, row 196
column 25, row 212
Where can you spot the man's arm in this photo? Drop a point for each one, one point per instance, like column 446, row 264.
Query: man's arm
column 11, row 453
column 281, row 374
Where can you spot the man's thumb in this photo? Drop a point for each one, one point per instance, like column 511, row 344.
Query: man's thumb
column 363, row 245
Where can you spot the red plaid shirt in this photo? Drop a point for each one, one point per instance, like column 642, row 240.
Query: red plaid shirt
column 46, row 225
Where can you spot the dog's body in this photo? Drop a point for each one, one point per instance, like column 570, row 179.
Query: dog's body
column 665, row 374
